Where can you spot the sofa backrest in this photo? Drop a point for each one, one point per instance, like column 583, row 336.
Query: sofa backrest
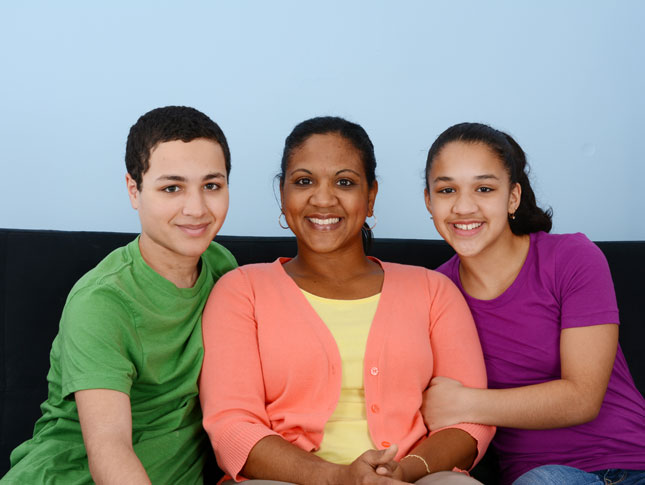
column 38, row 268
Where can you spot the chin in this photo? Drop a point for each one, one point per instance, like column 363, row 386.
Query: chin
column 196, row 249
column 466, row 253
column 321, row 247
column 465, row 249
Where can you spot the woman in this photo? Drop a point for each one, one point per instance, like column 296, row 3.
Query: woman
column 313, row 361
column 545, row 310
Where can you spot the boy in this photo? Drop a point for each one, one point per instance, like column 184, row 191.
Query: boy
column 123, row 403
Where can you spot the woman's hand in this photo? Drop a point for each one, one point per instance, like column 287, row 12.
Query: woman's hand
column 445, row 403
column 374, row 467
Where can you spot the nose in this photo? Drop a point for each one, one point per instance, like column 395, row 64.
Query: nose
column 323, row 196
column 194, row 204
column 464, row 204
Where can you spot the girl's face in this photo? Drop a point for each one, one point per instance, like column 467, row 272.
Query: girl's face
column 470, row 197
column 325, row 196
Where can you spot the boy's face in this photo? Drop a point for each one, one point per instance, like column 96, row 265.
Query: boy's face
column 182, row 202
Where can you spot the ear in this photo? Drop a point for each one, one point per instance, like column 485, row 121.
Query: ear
column 133, row 191
column 371, row 198
column 281, row 196
column 426, row 196
column 514, row 198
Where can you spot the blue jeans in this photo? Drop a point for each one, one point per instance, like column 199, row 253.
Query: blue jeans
column 566, row 475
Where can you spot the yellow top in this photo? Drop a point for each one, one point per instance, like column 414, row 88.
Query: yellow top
column 346, row 435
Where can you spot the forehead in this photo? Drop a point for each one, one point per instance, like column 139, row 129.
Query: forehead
column 177, row 155
column 329, row 150
column 466, row 158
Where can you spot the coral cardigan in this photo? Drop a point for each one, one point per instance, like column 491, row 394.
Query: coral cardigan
column 271, row 366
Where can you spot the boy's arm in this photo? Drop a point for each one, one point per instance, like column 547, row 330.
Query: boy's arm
column 106, row 423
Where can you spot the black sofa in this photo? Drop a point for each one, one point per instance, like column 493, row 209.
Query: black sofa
column 38, row 268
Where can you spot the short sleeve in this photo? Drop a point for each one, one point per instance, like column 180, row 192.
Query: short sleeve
column 583, row 284
column 98, row 342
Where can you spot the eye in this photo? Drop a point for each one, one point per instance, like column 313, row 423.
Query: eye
column 484, row 189
column 211, row 186
column 304, row 181
column 171, row 189
column 446, row 190
column 345, row 182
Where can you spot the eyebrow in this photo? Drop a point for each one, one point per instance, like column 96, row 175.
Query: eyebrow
column 179, row 178
column 348, row 170
column 486, row 176
column 300, row 170
column 337, row 173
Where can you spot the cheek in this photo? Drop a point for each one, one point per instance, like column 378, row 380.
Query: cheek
column 437, row 206
column 219, row 205
column 505, row 203
column 292, row 200
column 361, row 203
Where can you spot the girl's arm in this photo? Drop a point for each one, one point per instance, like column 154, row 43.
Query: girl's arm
column 587, row 358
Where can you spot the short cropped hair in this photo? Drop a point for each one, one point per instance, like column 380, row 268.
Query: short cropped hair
column 168, row 124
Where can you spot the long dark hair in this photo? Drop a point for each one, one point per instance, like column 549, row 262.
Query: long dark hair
column 528, row 216
column 352, row 132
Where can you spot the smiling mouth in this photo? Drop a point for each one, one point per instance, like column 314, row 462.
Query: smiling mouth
column 468, row 227
column 193, row 229
column 324, row 222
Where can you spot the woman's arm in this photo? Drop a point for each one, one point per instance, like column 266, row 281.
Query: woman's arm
column 443, row 450
column 231, row 384
column 273, row 458
column 587, row 358
column 457, row 355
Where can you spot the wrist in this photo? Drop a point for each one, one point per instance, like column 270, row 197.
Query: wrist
column 332, row 474
column 414, row 467
column 469, row 398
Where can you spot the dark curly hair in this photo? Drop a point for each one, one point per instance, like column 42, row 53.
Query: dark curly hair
column 167, row 124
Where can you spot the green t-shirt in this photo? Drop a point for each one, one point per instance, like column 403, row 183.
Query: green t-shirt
column 125, row 327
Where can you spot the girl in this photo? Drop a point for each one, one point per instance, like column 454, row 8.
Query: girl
column 546, row 314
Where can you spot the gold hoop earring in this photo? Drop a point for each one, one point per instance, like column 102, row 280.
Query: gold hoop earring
column 373, row 225
column 286, row 226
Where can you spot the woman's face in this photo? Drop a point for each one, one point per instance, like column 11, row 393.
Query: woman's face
column 325, row 196
column 470, row 197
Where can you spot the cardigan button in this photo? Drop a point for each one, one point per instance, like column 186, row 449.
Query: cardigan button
column 374, row 371
column 375, row 409
column 386, row 444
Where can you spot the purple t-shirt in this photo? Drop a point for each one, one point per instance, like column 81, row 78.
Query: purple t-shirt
column 565, row 282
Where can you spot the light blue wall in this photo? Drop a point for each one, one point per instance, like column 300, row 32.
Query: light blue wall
column 566, row 79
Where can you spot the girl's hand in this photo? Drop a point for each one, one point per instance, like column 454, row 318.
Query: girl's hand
column 444, row 403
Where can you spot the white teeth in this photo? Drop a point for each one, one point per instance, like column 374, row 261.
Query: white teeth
column 324, row 222
column 468, row 227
